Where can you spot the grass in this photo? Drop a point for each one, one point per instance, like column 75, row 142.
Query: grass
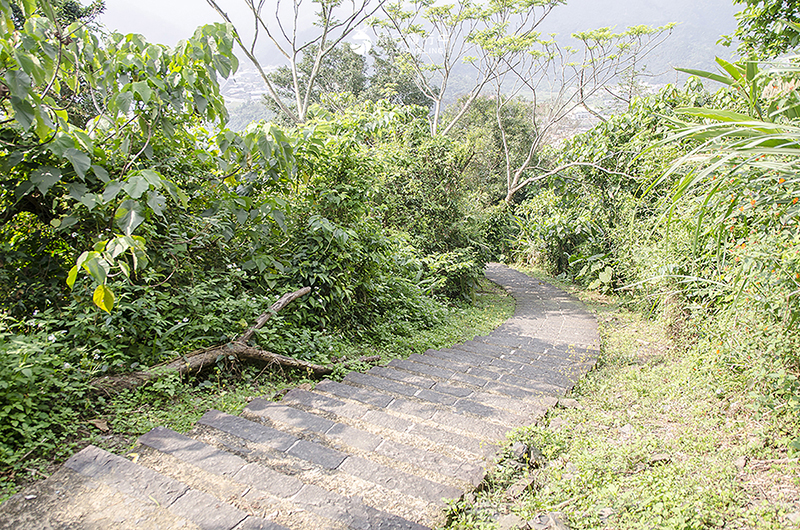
column 177, row 404
column 664, row 437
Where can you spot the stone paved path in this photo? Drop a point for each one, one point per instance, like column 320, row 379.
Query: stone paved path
column 380, row 450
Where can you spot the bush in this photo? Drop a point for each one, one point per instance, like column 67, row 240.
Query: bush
column 41, row 395
column 454, row 275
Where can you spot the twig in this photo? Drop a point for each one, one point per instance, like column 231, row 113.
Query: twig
column 566, row 502
column 36, row 472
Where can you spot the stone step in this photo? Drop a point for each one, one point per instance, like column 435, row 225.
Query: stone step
column 390, row 425
column 401, row 494
column 332, row 459
column 487, row 379
column 426, row 411
column 421, row 461
column 72, row 500
column 536, row 343
column 474, row 377
column 226, row 475
column 162, row 499
column 538, row 362
column 564, row 377
column 547, row 354
column 487, row 406
column 531, row 407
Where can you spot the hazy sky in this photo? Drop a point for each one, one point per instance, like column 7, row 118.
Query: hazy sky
column 168, row 21
column 162, row 21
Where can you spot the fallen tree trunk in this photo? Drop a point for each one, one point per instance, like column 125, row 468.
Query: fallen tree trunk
column 238, row 349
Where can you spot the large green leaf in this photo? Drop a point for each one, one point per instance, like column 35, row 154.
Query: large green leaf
column 157, row 202
column 715, row 114
column 129, row 216
column 112, row 190
column 79, row 160
column 143, row 90
column 735, row 72
column 707, row 75
column 136, row 186
column 152, row 177
column 24, row 112
column 97, row 267
column 44, row 177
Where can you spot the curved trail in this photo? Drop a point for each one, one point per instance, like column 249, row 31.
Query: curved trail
column 380, row 450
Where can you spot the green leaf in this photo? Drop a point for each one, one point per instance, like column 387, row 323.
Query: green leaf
column 80, row 161
column 732, row 69
column 85, row 141
column 136, row 186
column 152, row 177
column 91, row 200
column 103, row 298
column 112, row 190
column 76, row 190
column 129, row 217
column 44, row 177
column 20, row 85
column 29, row 7
column 24, row 112
column 126, row 270
column 101, row 173
column 143, row 90
column 68, row 221
column 707, row 75
column 97, row 268
column 715, row 114
column 72, row 276
column 124, row 100
column 157, row 202
column 117, row 246
column 61, row 143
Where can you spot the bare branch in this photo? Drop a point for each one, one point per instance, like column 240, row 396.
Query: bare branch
column 250, row 55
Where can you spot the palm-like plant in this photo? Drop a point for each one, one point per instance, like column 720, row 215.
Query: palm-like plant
column 744, row 171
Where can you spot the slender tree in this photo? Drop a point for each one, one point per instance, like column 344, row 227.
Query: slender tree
column 437, row 39
column 279, row 23
column 559, row 80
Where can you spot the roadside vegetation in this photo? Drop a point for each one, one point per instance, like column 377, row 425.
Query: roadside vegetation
column 136, row 227
column 660, row 435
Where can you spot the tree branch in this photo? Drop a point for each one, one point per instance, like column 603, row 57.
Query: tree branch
column 282, row 302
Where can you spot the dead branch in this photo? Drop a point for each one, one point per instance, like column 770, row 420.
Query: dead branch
column 194, row 362
column 282, row 302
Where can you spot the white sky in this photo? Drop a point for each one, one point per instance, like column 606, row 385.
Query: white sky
column 168, row 21
column 163, row 21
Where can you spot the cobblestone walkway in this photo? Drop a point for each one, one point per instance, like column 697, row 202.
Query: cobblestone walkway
column 380, row 450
